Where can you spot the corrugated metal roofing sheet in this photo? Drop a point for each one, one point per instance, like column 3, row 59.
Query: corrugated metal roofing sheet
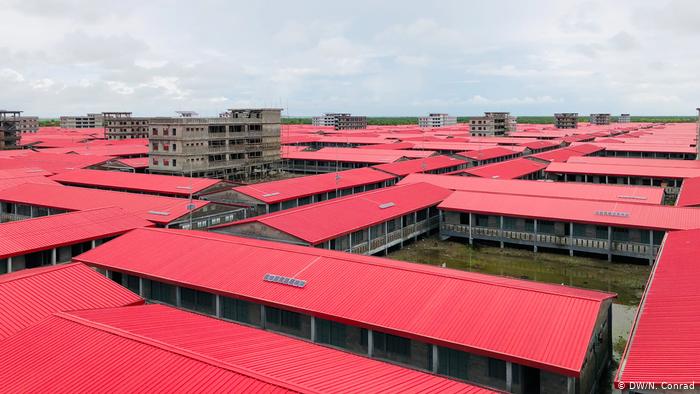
column 582, row 191
column 535, row 324
column 563, row 154
column 509, row 169
column 689, row 195
column 157, row 209
column 372, row 156
column 622, row 170
column 30, row 295
column 629, row 161
column 289, row 189
column 306, row 366
column 51, row 162
column 163, row 184
column 664, row 341
column 402, row 168
column 48, row 232
column 311, row 222
column 490, row 153
column 657, row 217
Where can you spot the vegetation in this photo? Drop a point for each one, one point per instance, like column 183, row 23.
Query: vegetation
column 49, row 122
column 627, row 280
column 412, row 120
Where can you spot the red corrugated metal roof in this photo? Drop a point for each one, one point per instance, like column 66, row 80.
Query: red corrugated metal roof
column 509, row 169
column 71, row 354
column 402, row 168
column 30, row 295
column 536, row 324
column 136, row 162
column 563, row 154
column 311, row 222
column 48, row 232
column 629, row 161
column 121, row 150
column 656, row 217
column 689, row 195
column 582, row 191
column 651, row 147
column 290, row 189
column 619, row 170
column 372, row 156
column 491, row 153
column 540, row 144
column 252, row 352
column 15, row 173
column 392, row 146
column 664, row 341
column 51, row 162
column 12, row 182
column 157, row 209
column 153, row 183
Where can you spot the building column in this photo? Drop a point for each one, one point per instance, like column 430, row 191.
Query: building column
column 471, row 221
column 142, row 290
column 54, row 251
column 571, row 385
column 370, row 343
column 313, row 329
column 415, row 226
column 651, row 247
column 93, row 244
column 509, row 376
column 534, row 246
column 217, row 306
column 436, row 358
column 263, row 317
column 500, row 229
column 571, row 239
column 350, row 241
column 178, row 296
column 386, row 238
column 609, row 243
column 9, row 265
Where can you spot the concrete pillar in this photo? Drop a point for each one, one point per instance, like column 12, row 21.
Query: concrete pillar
column 53, row 256
column 313, row 329
column 571, row 239
column 142, row 290
column 263, row 317
column 609, row 244
column 178, row 296
column 509, row 376
column 217, row 305
column 9, row 265
column 436, row 359
column 534, row 246
column 93, row 244
column 471, row 222
column 651, row 247
column 350, row 241
column 370, row 343
column 571, row 385
column 386, row 238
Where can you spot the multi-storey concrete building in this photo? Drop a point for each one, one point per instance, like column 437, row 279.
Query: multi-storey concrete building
column 9, row 129
column 437, row 120
column 624, row 118
column 599, row 119
column 341, row 121
column 28, row 124
column 88, row 121
column 121, row 125
column 566, row 120
column 238, row 144
column 492, row 124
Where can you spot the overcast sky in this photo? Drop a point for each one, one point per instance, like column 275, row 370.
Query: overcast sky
column 366, row 57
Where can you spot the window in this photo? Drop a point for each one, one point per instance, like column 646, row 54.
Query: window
column 391, row 344
column 453, row 362
column 497, row 369
column 330, row 332
column 133, row 283
column 155, row 161
column 198, row 300
column 159, row 291
column 174, row 162
column 237, row 310
column 283, row 318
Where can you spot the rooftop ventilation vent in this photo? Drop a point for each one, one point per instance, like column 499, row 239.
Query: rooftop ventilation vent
column 285, row 280
column 386, row 205
column 633, row 197
column 161, row 213
column 613, row 213
column 184, row 187
column 271, row 194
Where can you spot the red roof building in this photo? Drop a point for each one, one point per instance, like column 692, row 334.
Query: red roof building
column 440, row 314
column 563, row 154
column 55, row 239
column 664, row 341
column 428, row 165
column 586, row 191
column 31, row 295
column 155, row 347
column 520, row 168
column 383, row 210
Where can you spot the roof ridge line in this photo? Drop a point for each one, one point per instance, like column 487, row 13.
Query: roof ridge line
column 417, row 267
column 180, row 351
column 27, row 274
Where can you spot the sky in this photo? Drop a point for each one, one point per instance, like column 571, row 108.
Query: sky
column 375, row 58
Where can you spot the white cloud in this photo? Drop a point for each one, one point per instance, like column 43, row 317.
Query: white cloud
column 11, row 75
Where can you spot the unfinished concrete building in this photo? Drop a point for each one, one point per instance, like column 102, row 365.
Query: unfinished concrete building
column 239, row 144
column 599, row 119
column 27, row 124
column 492, row 124
column 9, row 129
column 566, row 120
column 121, row 126
column 624, row 118
column 437, row 120
column 89, row 121
column 340, row 121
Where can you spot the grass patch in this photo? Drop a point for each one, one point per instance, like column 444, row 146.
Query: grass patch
column 627, row 280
